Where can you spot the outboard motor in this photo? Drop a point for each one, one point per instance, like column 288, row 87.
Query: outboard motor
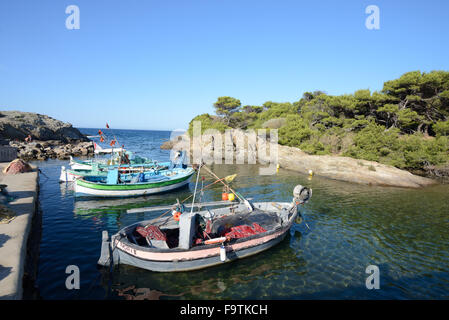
column 178, row 160
column 301, row 195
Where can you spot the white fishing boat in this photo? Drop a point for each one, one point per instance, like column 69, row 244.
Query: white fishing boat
column 99, row 150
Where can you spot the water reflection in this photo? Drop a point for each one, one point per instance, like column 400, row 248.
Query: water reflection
column 133, row 293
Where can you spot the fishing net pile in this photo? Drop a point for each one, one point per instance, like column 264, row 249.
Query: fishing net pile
column 151, row 232
column 17, row 166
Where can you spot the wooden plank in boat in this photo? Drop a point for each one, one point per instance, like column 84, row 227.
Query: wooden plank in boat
column 204, row 204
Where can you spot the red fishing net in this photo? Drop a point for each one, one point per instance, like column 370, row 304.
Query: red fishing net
column 152, row 232
column 244, row 231
column 17, row 166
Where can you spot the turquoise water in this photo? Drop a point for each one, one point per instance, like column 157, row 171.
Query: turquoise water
column 402, row 231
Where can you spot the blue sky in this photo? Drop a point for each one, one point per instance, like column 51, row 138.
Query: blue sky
column 156, row 64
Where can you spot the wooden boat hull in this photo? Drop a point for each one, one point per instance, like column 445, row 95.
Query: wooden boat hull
column 108, row 151
column 124, row 252
column 88, row 165
column 71, row 175
column 79, row 165
column 123, row 256
column 85, row 188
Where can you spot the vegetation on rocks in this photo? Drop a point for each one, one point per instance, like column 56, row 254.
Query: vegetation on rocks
column 406, row 124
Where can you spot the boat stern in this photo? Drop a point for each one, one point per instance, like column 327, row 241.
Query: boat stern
column 105, row 256
column 63, row 176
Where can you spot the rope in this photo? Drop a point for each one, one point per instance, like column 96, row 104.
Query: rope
column 209, row 185
column 40, row 171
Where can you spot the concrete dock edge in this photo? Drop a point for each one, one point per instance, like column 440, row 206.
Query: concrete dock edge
column 24, row 188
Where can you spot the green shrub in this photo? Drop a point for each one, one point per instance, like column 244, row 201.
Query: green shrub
column 441, row 128
column 208, row 122
column 294, row 132
column 275, row 123
column 391, row 126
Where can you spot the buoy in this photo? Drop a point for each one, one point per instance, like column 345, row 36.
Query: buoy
column 277, row 167
column 310, row 175
column 215, row 240
column 231, row 196
column 224, row 196
column 177, row 215
column 222, row 253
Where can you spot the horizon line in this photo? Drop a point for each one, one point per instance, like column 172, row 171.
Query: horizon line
column 167, row 130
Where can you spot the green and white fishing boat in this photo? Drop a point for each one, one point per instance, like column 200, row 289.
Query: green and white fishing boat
column 70, row 175
column 132, row 185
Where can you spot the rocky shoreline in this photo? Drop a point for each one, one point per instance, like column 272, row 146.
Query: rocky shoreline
column 350, row 169
column 440, row 173
column 53, row 149
column 333, row 167
column 40, row 137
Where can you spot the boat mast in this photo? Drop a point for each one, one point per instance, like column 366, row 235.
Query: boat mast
column 196, row 185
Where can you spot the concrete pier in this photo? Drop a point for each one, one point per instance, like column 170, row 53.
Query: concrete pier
column 14, row 235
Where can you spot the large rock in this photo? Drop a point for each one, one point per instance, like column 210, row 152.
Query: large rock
column 334, row 167
column 42, row 150
column 18, row 125
column 349, row 169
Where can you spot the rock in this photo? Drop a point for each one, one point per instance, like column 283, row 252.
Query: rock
column 349, row 169
column 330, row 166
column 17, row 166
column 440, row 172
column 167, row 145
column 30, row 151
column 18, row 125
